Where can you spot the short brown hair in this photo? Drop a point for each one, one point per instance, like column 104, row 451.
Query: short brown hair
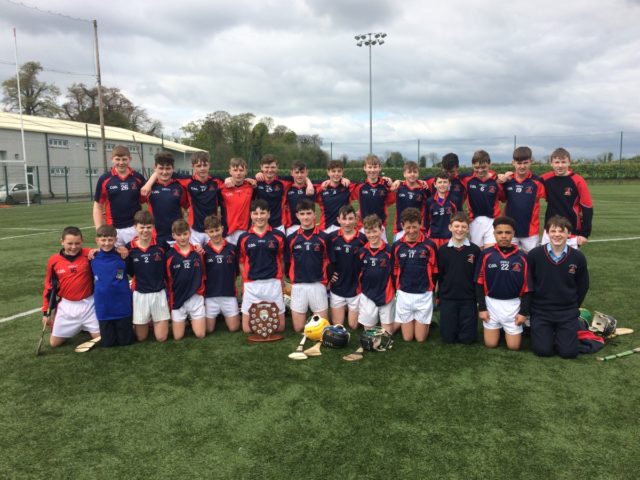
column 268, row 158
column 372, row 159
column 346, row 210
column 305, row 204
column 74, row 231
column 120, row 151
column 481, row 157
column 198, row 157
column 558, row 221
column 298, row 165
column 560, row 153
column 143, row 217
column 180, row 226
column 410, row 215
column 335, row 164
column 459, row 217
column 441, row 175
column 211, row 222
column 372, row 221
column 106, row 231
column 164, row 158
column 522, row 154
column 237, row 162
column 410, row 166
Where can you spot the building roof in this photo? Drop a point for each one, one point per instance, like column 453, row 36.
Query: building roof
column 57, row 126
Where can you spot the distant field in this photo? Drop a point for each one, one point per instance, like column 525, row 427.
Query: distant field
column 222, row 408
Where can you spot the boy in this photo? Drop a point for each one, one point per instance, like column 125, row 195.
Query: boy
column 483, row 194
column 306, row 261
column 374, row 195
column 333, row 196
column 345, row 245
column 450, row 166
column 414, row 258
column 410, row 193
column 222, row 269
column 376, row 278
column 145, row 264
column 501, row 285
column 559, row 281
column 70, row 273
column 185, row 282
column 260, row 251
column 301, row 188
column 112, row 294
column 456, row 288
column 522, row 191
column 236, row 200
column 167, row 198
column 117, row 196
column 568, row 196
column 440, row 207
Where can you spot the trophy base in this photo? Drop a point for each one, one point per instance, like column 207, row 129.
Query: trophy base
column 274, row 337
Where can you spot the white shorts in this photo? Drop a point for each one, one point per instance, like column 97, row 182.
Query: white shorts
column 193, row 307
column 228, row 306
column 309, row 296
column 369, row 312
column 572, row 241
column 383, row 236
column 414, row 306
column 125, row 235
column 292, row 229
column 331, row 228
column 234, row 237
column 74, row 316
column 336, row 301
column 481, row 231
column 198, row 238
column 502, row 314
column 150, row 306
column 262, row 291
column 526, row 244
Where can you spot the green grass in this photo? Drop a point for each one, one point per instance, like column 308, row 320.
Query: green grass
column 222, row 408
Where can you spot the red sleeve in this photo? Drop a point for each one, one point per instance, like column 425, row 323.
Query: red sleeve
column 354, row 189
column 584, row 196
column 48, row 282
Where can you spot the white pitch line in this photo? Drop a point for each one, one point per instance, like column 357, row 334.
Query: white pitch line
column 32, row 234
column 18, row 315
column 25, row 228
column 613, row 239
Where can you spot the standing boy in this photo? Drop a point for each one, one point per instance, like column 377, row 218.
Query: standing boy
column 559, row 281
column 185, row 281
column 345, row 245
column 440, row 207
column 415, row 268
column 112, row 294
column 236, row 200
column 117, row 196
column 70, row 274
column 412, row 193
column 333, row 196
column 376, row 278
column 568, row 196
column 457, row 192
column 222, row 269
column 456, row 287
column 145, row 264
column 307, row 260
column 501, row 279
column 260, row 252
column 300, row 188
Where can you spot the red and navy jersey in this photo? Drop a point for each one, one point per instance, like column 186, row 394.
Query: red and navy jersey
column 204, row 197
column 373, row 198
column 71, row 275
column 275, row 194
column 502, row 275
column 569, row 197
column 120, row 196
column 344, row 257
column 185, row 275
column 483, row 196
column 376, row 274
column 307, row 255
column 406, row 197
column 457, row 191
column 236, row 207
column 166, row 203
column 414, row 265
column 437, row 215
column 146, row 266
column 294, row 195
column 222, row 268
column 523, row 203
column 261, row 255
column 331, row 199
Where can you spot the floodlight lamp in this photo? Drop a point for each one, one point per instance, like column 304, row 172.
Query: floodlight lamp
column 383, row 35
column 377, row 35
column 374, row 42
column 357, row 37
column 380, row 42
column 359, row 44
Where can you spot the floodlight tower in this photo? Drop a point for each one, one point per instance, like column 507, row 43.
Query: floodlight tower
column 369, row 40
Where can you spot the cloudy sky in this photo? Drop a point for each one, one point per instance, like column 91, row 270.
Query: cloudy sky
column 460, row 74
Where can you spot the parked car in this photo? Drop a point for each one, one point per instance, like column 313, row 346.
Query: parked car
column 17, row 192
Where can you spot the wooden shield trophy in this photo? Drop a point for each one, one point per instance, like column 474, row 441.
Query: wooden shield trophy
column 263, row 320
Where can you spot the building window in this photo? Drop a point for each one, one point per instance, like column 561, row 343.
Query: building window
column 90, row 145
column 57, row 171
column 58, row 143
column 133, row 148
column 94, row 172
column 110, row 146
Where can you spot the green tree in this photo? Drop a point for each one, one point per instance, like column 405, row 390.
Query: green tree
column 395, row 159
column 38, row 97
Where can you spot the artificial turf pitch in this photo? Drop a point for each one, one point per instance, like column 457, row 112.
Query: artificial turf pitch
column 223, row 408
